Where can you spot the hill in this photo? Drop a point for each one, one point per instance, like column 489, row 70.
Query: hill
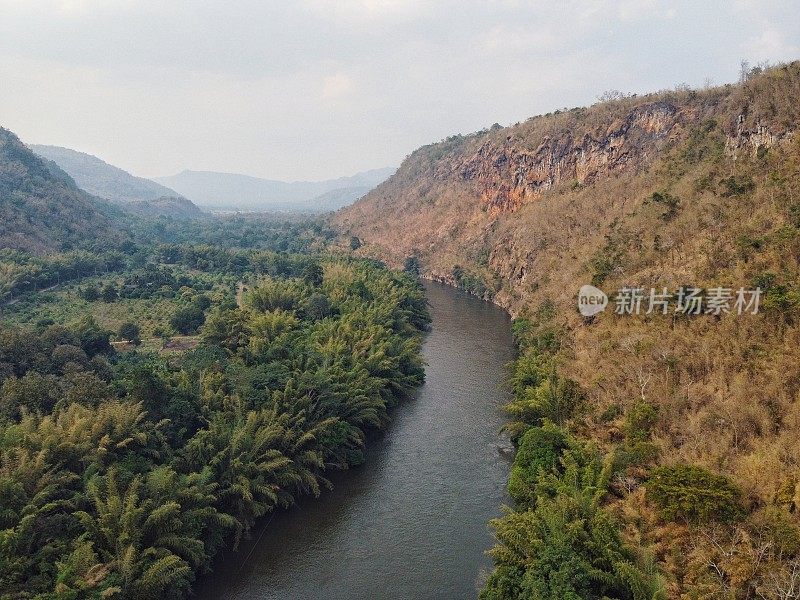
column 336, row 199
column 697, row 416
column 136, row 194
column 176, row 207
column 233, row 191
column 42, row 208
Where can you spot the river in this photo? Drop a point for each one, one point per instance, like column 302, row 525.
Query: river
column 412, row 522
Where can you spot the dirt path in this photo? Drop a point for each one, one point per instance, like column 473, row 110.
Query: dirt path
column 18, row 298
column 241, row 288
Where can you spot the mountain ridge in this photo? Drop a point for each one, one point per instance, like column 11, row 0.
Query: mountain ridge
column 469, row 186
column 214, row 189
column 42, row 208
column 99, row 178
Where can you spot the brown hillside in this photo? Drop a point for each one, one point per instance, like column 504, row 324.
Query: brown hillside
column 677, row 188
column 510, row 203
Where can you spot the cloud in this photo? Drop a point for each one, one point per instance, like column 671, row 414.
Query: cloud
column 770, row 45
column 367, row 12
column 517, row 39
column 322, row 88
column 336, row 86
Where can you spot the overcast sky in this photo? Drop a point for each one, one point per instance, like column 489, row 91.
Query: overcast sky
column 314, row 89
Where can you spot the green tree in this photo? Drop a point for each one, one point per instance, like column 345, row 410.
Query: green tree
column 129, row 331
column 693, row 493
column 313, row 274
column 90, row 293
column 187, row 320
column 411, row 265
column 109, row 293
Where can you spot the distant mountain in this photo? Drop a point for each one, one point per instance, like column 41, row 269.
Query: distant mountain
column 136, row 194
column 41, row 207
column 338, row 198
column 233, row 191
column 176, row 207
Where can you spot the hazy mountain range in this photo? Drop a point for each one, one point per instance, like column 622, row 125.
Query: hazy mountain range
column 135, row 194
column 234, row 191
column 100, row 178
column 180, row 195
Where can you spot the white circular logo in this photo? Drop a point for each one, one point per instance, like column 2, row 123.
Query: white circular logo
column 591, row 301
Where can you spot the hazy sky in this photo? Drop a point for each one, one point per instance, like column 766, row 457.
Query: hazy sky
column 313, row 89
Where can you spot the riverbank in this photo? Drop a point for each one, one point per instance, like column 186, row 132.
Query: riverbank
column 412, row 522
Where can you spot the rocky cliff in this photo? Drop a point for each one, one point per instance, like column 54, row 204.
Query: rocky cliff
column 477, row 201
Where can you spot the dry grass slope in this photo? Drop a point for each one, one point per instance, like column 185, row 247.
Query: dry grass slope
column 677, row 188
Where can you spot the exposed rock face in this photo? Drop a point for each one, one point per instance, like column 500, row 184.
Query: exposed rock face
column 749, row 141
column 525, row 210
column 507, row 176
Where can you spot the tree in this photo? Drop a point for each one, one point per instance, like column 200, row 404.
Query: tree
column 93, row 339
column 411, row 265
column 202, row 302
column 539, row 452
column 355, row 243
column 317, row 307
column 149, row 533
column 90, row 293
column 186, row 320
column 313, row 274
column 109, row 293
column 693, row 493
column 130, row 332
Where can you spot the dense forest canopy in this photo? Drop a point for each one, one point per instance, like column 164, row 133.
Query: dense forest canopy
column 126, row 464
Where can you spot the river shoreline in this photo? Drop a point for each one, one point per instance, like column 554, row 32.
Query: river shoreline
column 412, row 522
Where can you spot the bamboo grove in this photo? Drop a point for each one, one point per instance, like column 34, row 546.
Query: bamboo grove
column 123, row 473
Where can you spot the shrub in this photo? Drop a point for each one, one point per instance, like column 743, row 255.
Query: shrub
column 794, row 215
column 693, row 493
column 603, row 267
column 539, row 451
column 737, row 185
column 669, row 202
column 781, row 298
column 640, row 422
column 411, row 265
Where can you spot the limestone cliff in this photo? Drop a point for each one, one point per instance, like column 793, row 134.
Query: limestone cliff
column 478, row 201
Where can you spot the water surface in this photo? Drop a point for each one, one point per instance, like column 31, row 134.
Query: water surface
column 412, row 521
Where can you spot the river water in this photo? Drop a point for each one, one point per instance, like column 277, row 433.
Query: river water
column 412, row 522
